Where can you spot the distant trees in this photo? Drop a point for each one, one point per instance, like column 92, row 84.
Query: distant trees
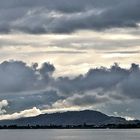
column 83, row 126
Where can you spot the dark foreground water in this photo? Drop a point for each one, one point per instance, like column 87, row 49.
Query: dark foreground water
column 69, row 134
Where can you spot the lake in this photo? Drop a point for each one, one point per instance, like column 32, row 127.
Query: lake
column 55, row 134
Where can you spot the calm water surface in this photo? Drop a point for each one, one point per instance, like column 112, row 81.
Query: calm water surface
column 69, row 134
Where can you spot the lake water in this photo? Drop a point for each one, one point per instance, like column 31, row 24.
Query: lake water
column 70, row 134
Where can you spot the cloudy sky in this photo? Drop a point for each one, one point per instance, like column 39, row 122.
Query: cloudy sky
column 58, row 55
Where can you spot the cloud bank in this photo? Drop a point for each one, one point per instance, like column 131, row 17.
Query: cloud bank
column 26, row 113
column 24, row 87
column 63, row 16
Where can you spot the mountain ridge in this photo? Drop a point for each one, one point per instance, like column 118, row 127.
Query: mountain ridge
column 89, row 117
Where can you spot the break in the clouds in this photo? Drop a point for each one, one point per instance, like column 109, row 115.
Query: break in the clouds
column 24, row 87
column 63, row 16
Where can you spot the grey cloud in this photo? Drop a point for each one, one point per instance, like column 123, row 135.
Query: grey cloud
column 122, row 52
column 81, row 43
column 117, row 83
column 26, row 86
column 46, row 70
column 87, row 100
column 62, row 16
column 40, row 100
column 125, row 108
column 130, row 86
column 93, row 79
column 117, row 16
column 66, row 52
column 58, row 5
column 99, row 44
column 16, row 76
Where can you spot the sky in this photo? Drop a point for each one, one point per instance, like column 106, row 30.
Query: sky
column 60, row 55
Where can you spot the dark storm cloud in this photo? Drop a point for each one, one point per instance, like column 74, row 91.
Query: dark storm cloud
column 63, row 16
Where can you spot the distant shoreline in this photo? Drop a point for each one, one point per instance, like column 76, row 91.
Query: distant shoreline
column 108, row 126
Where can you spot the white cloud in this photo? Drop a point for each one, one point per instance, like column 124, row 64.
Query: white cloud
column 3, row 104
column 129, row 118
column 35, row 112
column 25, row 113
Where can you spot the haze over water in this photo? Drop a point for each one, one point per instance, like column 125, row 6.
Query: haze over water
column 70, row 134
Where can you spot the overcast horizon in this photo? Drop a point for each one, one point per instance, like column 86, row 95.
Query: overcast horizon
column 59, row 55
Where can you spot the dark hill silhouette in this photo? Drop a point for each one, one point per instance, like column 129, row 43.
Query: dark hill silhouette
column 67, row 118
